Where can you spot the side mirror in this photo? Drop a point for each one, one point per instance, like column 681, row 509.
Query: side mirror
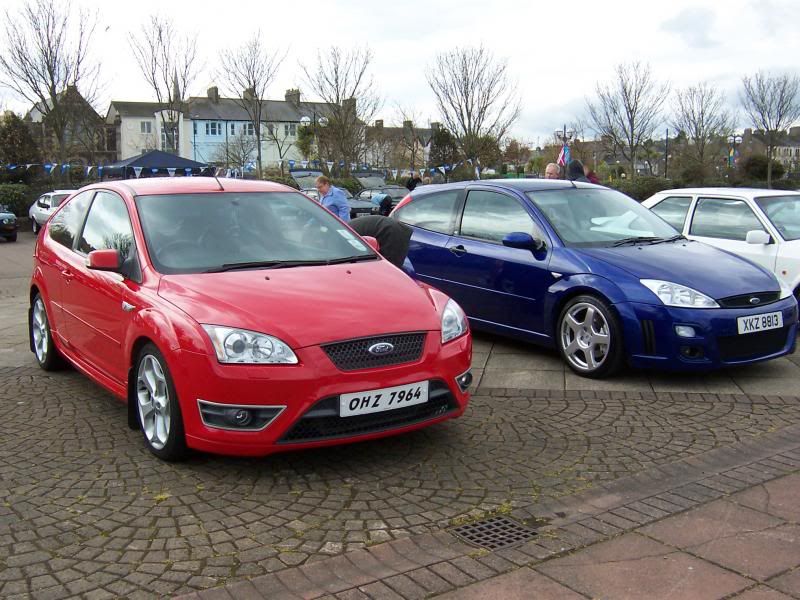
column 43, row 203
column 373, row 242
column 104, row 260
column 523, row 241
column 758, row 237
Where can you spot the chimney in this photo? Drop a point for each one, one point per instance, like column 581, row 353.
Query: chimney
column 379, row 124
column 794, row 132
column 249, row 94
column 293, row 96
column 213, row 94
column 435, row 126
column 408, row 124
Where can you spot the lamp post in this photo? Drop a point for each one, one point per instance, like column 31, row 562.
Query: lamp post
column 733, row 140
column 564, row 136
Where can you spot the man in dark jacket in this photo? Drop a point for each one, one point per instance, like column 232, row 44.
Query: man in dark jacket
column 575, row 171
column 393, row 236
column 413, row 182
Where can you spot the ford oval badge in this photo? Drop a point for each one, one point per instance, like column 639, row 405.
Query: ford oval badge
column 381, row 348
column 755, row 300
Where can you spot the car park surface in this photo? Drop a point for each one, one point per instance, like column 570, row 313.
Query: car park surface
column 760, row 225
column 158, row 291
column 589, row 271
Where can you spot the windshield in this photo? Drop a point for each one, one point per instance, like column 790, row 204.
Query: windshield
column 306, row 181
column 599, row 217
column 195, row 233
column 784, row 212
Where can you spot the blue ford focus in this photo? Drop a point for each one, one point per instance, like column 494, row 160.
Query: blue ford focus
column 589, row 271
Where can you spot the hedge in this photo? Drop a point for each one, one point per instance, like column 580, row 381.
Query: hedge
column 17, row 196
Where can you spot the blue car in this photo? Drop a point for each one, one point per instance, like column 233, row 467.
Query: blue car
column 589, row 271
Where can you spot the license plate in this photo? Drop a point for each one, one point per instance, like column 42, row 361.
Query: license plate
column 373, row 401
column 760, row 322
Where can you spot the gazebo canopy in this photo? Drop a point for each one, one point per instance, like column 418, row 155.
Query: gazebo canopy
column 151, row 163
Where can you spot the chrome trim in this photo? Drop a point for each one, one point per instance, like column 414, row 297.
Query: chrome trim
column 244, row 406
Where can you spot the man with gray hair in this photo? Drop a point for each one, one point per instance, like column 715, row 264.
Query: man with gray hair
column 552, row 171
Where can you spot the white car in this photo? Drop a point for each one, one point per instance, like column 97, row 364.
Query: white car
column 44, row 206
column 760, row 225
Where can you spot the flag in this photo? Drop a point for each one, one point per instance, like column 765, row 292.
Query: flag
column 171, row 172
column 563, row 156
column 137, row 171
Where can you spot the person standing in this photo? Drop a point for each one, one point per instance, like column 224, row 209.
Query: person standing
column 332, row 198
column 575, row 171
column 413, row 181
column 552, row 171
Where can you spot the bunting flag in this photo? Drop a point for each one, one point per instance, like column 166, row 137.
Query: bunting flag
column 477, row 173
column 563, row 156
column 100, row 171
column 188, row 171
column 12, row 167
column 353, row 166
column 330, row 164
column 443, row 170
column 469, row 160
column 64, row 169
column 304, row 163
column 394, row 173
column 89, row 171
column 154, row 171
column 291, row 164
column 171, row 172
column 137, row 171
column 29, row 166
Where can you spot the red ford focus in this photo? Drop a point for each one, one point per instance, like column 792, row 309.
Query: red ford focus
column 241, row 318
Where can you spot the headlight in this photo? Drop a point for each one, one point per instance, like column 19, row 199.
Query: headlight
column 248, row 347
column 786, row 291
column 454, row 322
column 673, row 294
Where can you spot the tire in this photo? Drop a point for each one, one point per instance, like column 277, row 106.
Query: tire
column 12, row 238
column 589, row 337
column 41, row 337
column 35, row 226
column 157, row 408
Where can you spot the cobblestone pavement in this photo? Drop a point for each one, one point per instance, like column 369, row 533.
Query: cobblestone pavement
column 85, row 510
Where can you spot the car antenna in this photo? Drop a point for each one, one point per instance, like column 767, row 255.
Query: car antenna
column 219, row 183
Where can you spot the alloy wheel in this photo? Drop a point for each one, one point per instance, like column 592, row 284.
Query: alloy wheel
column 40, row 330
column 585, row 336
column 153, row 399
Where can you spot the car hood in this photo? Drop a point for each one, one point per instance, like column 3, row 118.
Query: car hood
column 305, row 306
column 7, row 215
column 709, row 270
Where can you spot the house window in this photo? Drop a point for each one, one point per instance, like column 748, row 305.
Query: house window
column 289, row 129
column 271, row 128
column 213, row 128
column 146, row 127
column 233, row 128
column 249, row 129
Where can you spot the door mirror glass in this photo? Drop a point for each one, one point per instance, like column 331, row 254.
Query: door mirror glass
column 43, row 202
column 373, row 242
column 758, row 237
column 523, row 241
column 104, row 260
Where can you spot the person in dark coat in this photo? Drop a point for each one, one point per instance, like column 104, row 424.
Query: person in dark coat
column 393, row 236
column 413, row 181
column 575, row 171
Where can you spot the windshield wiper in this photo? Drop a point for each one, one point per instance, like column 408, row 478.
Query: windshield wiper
column 674, row 238
column 638, row 240
column 285, row 264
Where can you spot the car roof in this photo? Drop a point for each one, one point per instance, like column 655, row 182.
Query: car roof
column 189, row 185
column 521, row 185
column 61, row 191
column 729, row 191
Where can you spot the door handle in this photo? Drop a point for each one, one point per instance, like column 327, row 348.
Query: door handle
column 68, row 275
column 458, row 250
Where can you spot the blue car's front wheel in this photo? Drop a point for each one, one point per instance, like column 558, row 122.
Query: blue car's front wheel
column 590, row 337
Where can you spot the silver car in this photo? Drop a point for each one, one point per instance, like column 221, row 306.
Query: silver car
column 44, row 206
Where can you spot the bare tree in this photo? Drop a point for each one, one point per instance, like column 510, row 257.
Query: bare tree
column 235, row 151
column 628, row 109
column 476, row 96
column 282, row 139
column 247, row 73
column 700, row 113
column 342, row 79
column 46, row 52
column 167, row 62
column 772, row 104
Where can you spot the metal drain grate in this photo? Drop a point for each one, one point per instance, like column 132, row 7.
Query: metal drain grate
column 495, row 533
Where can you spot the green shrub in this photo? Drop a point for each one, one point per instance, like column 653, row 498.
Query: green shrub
column 351, row 184
column 755, row 167
column 641, row 188
column 17, row 196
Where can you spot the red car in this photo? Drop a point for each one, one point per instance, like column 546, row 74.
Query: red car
column 240, row 317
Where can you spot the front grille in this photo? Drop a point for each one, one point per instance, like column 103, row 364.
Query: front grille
column 354, row 354
column 322, row 421
column 752, row 345
column 648, row 336
column 743, row 301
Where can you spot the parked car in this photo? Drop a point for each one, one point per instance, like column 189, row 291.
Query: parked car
column 358, row 208
column 760, row 225
column 8, row 224
column 44, row 206
column 595, row 274
column 396, row 192
column 226, row 318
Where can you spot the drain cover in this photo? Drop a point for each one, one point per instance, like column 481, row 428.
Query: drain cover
column 495, row 533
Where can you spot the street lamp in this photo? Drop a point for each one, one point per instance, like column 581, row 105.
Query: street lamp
column 564, row 136
column 733, row 140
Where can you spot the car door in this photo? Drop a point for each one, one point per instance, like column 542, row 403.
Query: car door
column 492, row 282
column 724, row 223
column 98, row 304
column 432, row 217
column 41, row 209
column 55, row 257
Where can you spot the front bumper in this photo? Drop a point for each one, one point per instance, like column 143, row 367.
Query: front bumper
column 309, row 392
column 651, row 340
column 9, row 228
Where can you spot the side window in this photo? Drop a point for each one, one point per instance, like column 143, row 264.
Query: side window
column 491, row 216
column 107, row 226
column 673, row 210
column 432, row 211
column 724, row 218
column 66, row 223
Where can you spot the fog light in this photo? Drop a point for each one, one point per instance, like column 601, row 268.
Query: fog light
column 464, row 381
column 692, row 352
column 239, row 417
column 685, row 331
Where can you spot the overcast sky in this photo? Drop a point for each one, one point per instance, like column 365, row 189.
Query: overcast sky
column 557, row 51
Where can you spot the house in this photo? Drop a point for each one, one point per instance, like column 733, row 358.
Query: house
column 406, row 147
column 143, row 126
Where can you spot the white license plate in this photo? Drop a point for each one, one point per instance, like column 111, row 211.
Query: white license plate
column 760, row 322
column 372, row 401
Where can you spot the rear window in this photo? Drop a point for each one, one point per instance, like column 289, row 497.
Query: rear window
column 434, row 212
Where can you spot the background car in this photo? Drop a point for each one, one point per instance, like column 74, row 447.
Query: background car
column 226, row 320
column 8, row 224
column 760, row 225
column 595, row 274
column 358, row 208
column 395, row 192
column 44, row 206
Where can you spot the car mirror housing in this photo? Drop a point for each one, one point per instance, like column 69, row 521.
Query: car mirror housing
column 523, row 241
column 373, row 242
column 758, row 237
column 104, row 260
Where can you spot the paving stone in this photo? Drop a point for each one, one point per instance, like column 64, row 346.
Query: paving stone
column 517, row 585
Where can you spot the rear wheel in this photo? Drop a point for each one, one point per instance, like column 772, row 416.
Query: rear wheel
column 157, row 406
column 12, row 237
column 45, row 351
column 35, row 226
column 589, row 337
